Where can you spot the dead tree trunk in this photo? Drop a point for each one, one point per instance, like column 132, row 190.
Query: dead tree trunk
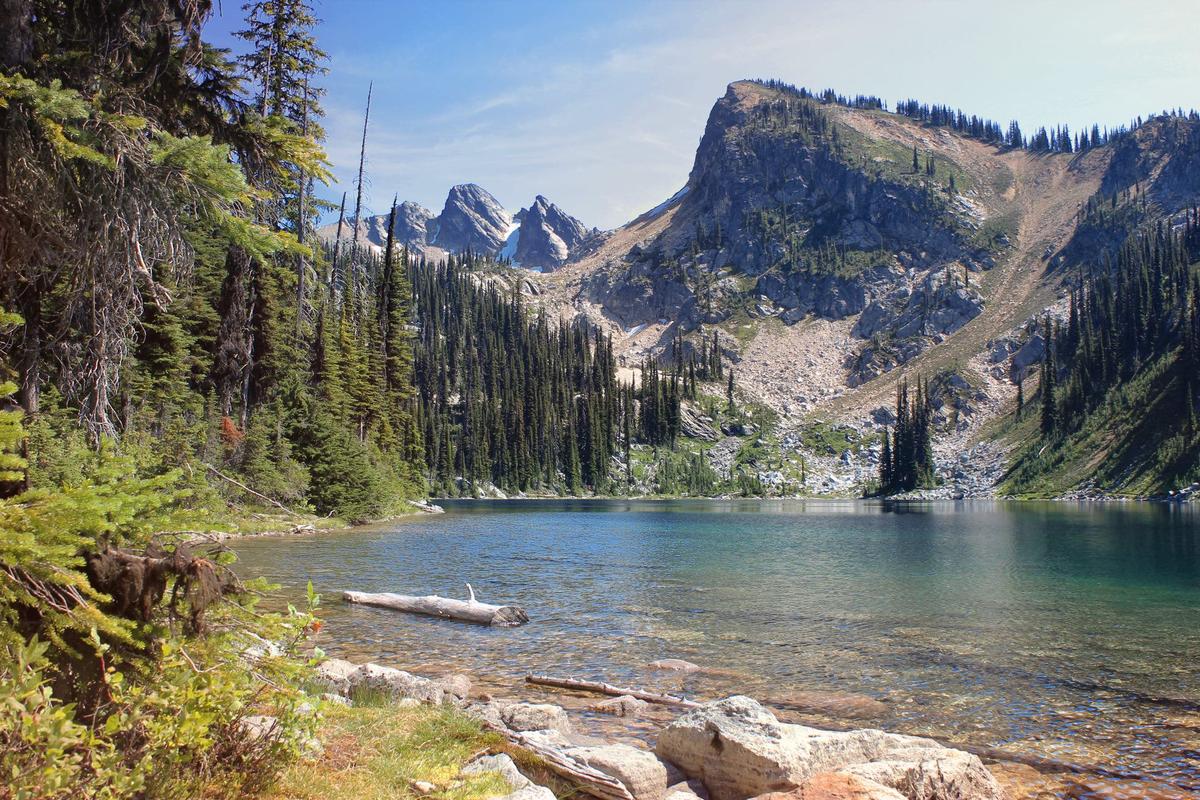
column 604, row 688
column 470, row 610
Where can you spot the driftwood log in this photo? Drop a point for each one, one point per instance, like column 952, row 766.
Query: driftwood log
column 469, row 610
column 605, row 688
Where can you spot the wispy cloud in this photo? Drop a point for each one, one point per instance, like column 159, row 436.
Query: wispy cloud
column 599, row 106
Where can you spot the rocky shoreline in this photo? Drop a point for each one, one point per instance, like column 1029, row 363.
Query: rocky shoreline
column 730, row 749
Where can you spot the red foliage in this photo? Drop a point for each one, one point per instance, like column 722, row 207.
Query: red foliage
column 230, row 433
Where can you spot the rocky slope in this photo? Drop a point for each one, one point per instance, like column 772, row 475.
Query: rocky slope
column 830, row 268
column 540, row 237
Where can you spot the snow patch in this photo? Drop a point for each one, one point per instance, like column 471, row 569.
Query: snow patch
column 664, row 205
column 511, row 237
column 636, row 329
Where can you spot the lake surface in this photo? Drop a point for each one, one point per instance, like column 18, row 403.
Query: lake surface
column 1062, row 631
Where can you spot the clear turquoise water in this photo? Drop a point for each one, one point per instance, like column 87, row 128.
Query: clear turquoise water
column 1063, row 631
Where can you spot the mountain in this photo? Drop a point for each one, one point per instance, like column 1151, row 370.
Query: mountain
column 547, row 235
column 472, row 220
column 540, row 237
column 835, row 249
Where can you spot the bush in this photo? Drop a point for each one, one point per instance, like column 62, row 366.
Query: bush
column 107, row 691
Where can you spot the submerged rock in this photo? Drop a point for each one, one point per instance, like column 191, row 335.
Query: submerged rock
column 739, row 749
column 846, row 705
column 623, row 706
column 674, row 665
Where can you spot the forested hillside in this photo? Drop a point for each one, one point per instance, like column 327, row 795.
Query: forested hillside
column 157, row 243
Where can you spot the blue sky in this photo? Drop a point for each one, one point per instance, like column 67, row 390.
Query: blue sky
column 599, row 105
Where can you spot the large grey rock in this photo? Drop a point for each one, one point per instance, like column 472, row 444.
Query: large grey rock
column 333, row 675
column 456, row 687
column 644, row 774
column 500, row 763
column 535, row 717
column 687, row 790
column 739, row 749
column 394, row 682
column 489, row 714
column 531, row 792
column 836, row 786
column 944, row 775
column 1030, row 353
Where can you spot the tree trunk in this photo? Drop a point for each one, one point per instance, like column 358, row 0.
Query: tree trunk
column 470, row 610
column 16, row 33
column 604, row 688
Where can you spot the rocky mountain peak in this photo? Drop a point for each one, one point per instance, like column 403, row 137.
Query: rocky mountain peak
column 472, row 219
column 548, row 235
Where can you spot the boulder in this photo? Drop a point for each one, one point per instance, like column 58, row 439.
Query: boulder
column 535, row 717
column 394, row 682
column 530, row 792
column 678, row 664
column 836, row 786
column 1030, row 353
column 845, row 705
column 644, row 774
column 455, row 686
column 623, row 706
column 500, row 763
column 489, row 714
column 739, row 749
column 687, row 790
column 333, row 675
column 942, row 775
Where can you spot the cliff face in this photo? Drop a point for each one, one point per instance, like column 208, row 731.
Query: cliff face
column 472, row 220
column 793, row 212
column 547, row 235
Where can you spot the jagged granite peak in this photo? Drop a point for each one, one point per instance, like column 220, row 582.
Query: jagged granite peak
column 413, row 224
column 472, row 219
column 547, row 235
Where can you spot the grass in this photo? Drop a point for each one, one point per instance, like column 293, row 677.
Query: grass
column 377, row 752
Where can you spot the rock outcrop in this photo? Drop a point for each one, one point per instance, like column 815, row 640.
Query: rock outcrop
column 644, row 774
column 472, row 219
column 547, row 235
column 738, row 749
column 373, row 678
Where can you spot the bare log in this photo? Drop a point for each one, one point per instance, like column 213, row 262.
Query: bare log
column 605, row 688
column 470, row 610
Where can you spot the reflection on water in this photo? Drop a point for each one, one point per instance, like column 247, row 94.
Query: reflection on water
column 1061, row 631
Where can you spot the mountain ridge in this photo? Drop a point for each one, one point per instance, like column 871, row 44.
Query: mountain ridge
column 473, row 220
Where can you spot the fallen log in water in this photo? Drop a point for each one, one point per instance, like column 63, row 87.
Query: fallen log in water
column 604, row 688
column 469, row 610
